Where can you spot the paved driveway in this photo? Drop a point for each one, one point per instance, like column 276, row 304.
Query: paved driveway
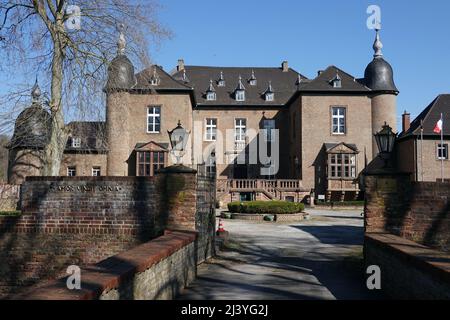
column 315, row 259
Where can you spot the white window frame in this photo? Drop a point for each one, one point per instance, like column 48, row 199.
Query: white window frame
column 76, row 142
column 342, row 166
column 151, row 119
column 96, row 171
column 211, row 96
column 337, row 83
column 341, row 129
column 270, row 96
column 70, row 169
column 444, row 148
column 240, row 95
column 268, row 137
column 240, row 129
column 211, row 129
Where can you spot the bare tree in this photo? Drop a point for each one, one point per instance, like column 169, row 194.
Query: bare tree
column 71, row 45
column 3, row 158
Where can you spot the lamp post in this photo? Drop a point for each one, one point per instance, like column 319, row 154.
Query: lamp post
column 178, row 140
column 385, row 141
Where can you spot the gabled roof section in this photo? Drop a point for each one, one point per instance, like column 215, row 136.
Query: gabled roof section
column 166, row 81
column 152, row 146
column 284, row 84
column 323, row 82
column 92, row 136
column 341, row 148
column 430, row 116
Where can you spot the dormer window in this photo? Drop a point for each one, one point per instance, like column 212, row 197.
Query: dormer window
column 184, row 77
column 211, row 96
column 337, row 82
column 221, row 81
column 211, row 92
column 252, row 81
column 76, row 142
column 155, row 80
column 269, row 95
column 239, row 93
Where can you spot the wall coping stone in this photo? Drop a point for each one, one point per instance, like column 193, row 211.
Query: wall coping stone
column 111, row 272
column 87, row 179
column 425, row 258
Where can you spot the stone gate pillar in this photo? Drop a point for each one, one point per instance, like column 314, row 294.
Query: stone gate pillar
column 181, row 197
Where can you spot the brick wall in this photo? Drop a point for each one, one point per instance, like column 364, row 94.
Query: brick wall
column 156, row 270
column 76, row 221
column 408, row 270
column 418, row 211
column 9, row 197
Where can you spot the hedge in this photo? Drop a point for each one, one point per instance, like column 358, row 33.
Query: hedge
column 265, row 207
column 10, row 213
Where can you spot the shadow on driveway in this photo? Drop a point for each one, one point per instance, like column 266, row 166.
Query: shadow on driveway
column 335, row 234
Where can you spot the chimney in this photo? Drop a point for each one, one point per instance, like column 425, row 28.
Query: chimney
column 285, row 66
column 406, row 121
column 319, row 72
column 180, row 66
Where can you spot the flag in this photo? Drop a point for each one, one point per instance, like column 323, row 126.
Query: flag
column 438, row 127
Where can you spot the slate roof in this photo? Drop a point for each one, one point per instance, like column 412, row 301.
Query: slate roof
column 92, row 135
column 166, row 81
column 430, row 116
column 323, row 82
column 284, row 84
column 32, row 128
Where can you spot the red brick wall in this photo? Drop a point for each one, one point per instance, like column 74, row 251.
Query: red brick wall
column 158, row 269
column 418, row 211
column 76, row 221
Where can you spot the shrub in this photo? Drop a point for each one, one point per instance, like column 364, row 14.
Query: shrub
column 10, row 213
column 262, row 207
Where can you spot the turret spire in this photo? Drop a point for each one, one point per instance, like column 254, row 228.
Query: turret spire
column 121, row 43
column 377, row 45
column 36, row 92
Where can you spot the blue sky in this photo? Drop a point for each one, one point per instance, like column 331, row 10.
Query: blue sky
column 312, row 35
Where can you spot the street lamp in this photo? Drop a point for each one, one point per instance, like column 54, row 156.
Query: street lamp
column 178, row 140
column 385, row 141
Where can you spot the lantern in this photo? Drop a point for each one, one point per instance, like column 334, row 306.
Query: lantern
column 178, row 140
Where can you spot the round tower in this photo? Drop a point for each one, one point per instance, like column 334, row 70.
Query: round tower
column 121, row 79
column 379, row 77
column 31, row 133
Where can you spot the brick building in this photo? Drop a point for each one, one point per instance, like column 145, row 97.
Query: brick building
column 324, row 127
column 420, row 150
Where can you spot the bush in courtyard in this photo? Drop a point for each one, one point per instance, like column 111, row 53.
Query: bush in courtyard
column 261, row 207
column 10, row 213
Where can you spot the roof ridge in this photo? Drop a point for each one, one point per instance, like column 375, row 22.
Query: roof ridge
column 431, row 107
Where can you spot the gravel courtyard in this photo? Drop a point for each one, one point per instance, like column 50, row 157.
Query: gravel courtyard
column 320, row 258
